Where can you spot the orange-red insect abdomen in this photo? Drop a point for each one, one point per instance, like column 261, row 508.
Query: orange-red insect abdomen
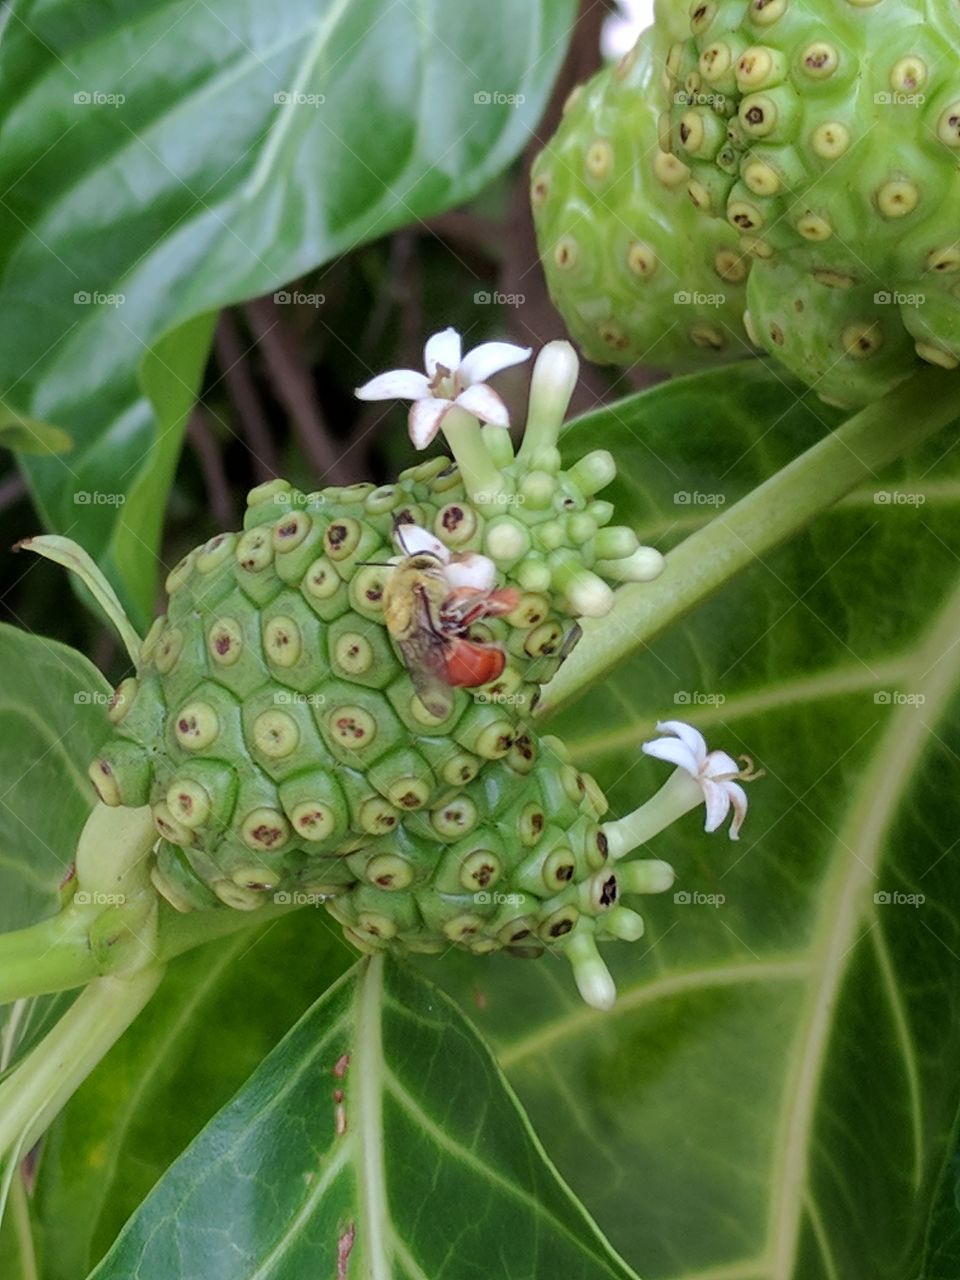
column 467, row 664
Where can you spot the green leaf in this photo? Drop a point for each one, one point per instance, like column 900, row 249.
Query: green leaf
column 775, row 1096
column 942, row 1257
column 52, row 721
column 377, row 1140
column 185, row 156
column 218, row 1013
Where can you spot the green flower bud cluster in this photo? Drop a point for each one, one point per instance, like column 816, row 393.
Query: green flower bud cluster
column 637, row 272
column 278, row 738
column 831, row 143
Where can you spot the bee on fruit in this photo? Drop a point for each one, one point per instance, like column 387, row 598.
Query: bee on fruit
column 431, row 600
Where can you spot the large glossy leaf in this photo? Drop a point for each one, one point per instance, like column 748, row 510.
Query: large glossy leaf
column 160, row 161
column 52, row 720
column 377, row 1141
column 219, row 1012
column 775, row 1095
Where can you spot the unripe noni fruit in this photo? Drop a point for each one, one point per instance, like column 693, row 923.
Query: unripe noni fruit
column 840, row 170
column 275, row 731
column 638, row 273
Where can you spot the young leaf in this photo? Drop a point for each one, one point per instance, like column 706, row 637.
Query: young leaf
column 775, row 1095
column 72, row 556
column 377, row 1142
column 29, row 435
column 189, row 156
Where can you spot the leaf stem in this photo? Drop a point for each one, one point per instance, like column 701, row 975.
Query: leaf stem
column 765, row 518
column 42, row 1083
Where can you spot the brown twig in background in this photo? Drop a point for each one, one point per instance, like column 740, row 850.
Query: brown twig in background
column 105, row 650
column 400, row 289
column 210, row 456
column 469, row 231
column 12, row 489
column 236, row 374
column 287, row 369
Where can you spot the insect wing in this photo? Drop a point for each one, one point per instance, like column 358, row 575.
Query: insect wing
column 423, row 651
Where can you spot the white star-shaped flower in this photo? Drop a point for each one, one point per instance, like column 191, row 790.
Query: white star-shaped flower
column 714, row 771
column 450, row 378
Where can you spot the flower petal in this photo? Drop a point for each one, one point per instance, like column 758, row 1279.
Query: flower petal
column 397, row 384
column 471, row 570
column 738, row 798
column 688, row 735
column 674, row 752
column 489, row 358
column 443, row 348
column 484, row 403
column 717, row 801
column 718, row 765
column 424, row 420
column 413, row 539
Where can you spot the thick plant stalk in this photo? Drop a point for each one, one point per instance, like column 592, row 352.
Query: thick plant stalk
column 56, row 954
column 48, row 1076
column 108, row 925
column 53, row 955
column 756, row 525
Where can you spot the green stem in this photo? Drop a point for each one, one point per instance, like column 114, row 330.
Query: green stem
column 678, row 795
column 56, row 954
column 43, row 1082
column 23, row 1228
column 765, row 518
column 53, row 955
column 481, row 476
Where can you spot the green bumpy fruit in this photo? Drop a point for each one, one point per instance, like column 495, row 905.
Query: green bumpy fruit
column 278, row 738
column 637, row 272
column 831, row 142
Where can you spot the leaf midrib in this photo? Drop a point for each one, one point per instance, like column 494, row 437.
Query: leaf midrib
column 367, row 1069
column 275, row 135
